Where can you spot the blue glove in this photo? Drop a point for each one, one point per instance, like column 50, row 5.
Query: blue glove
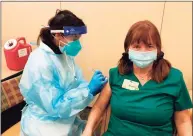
column 97, row 82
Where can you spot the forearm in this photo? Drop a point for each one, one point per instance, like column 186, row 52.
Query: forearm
column 185, row 128
column 94, row 119
column 98, row 110
column 74, row 101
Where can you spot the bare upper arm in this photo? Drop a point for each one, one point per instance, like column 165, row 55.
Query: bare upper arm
column 104, row 98
column 182, row 116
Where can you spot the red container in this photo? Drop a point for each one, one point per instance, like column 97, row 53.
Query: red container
column 17, row 53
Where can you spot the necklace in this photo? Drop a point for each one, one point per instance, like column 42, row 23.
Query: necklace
column 142, row 77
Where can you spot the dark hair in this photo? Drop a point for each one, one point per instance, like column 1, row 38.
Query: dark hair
column 146, row 32
column 61, row 19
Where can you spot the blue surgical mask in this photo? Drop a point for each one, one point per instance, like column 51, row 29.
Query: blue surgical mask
column 142, row 59
column 71, row 48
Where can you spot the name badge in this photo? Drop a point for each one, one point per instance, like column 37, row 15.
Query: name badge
column 129, row 84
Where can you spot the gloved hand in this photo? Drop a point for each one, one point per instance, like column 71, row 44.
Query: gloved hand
column 97, row 82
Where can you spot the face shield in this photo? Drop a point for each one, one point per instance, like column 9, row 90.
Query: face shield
column 71, row 30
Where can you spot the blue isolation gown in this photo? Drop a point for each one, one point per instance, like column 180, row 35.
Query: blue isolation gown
column 55, row 92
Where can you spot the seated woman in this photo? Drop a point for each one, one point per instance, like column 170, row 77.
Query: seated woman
column 147, row 96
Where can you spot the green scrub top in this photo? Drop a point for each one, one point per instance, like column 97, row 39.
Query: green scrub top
column 146, row 110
